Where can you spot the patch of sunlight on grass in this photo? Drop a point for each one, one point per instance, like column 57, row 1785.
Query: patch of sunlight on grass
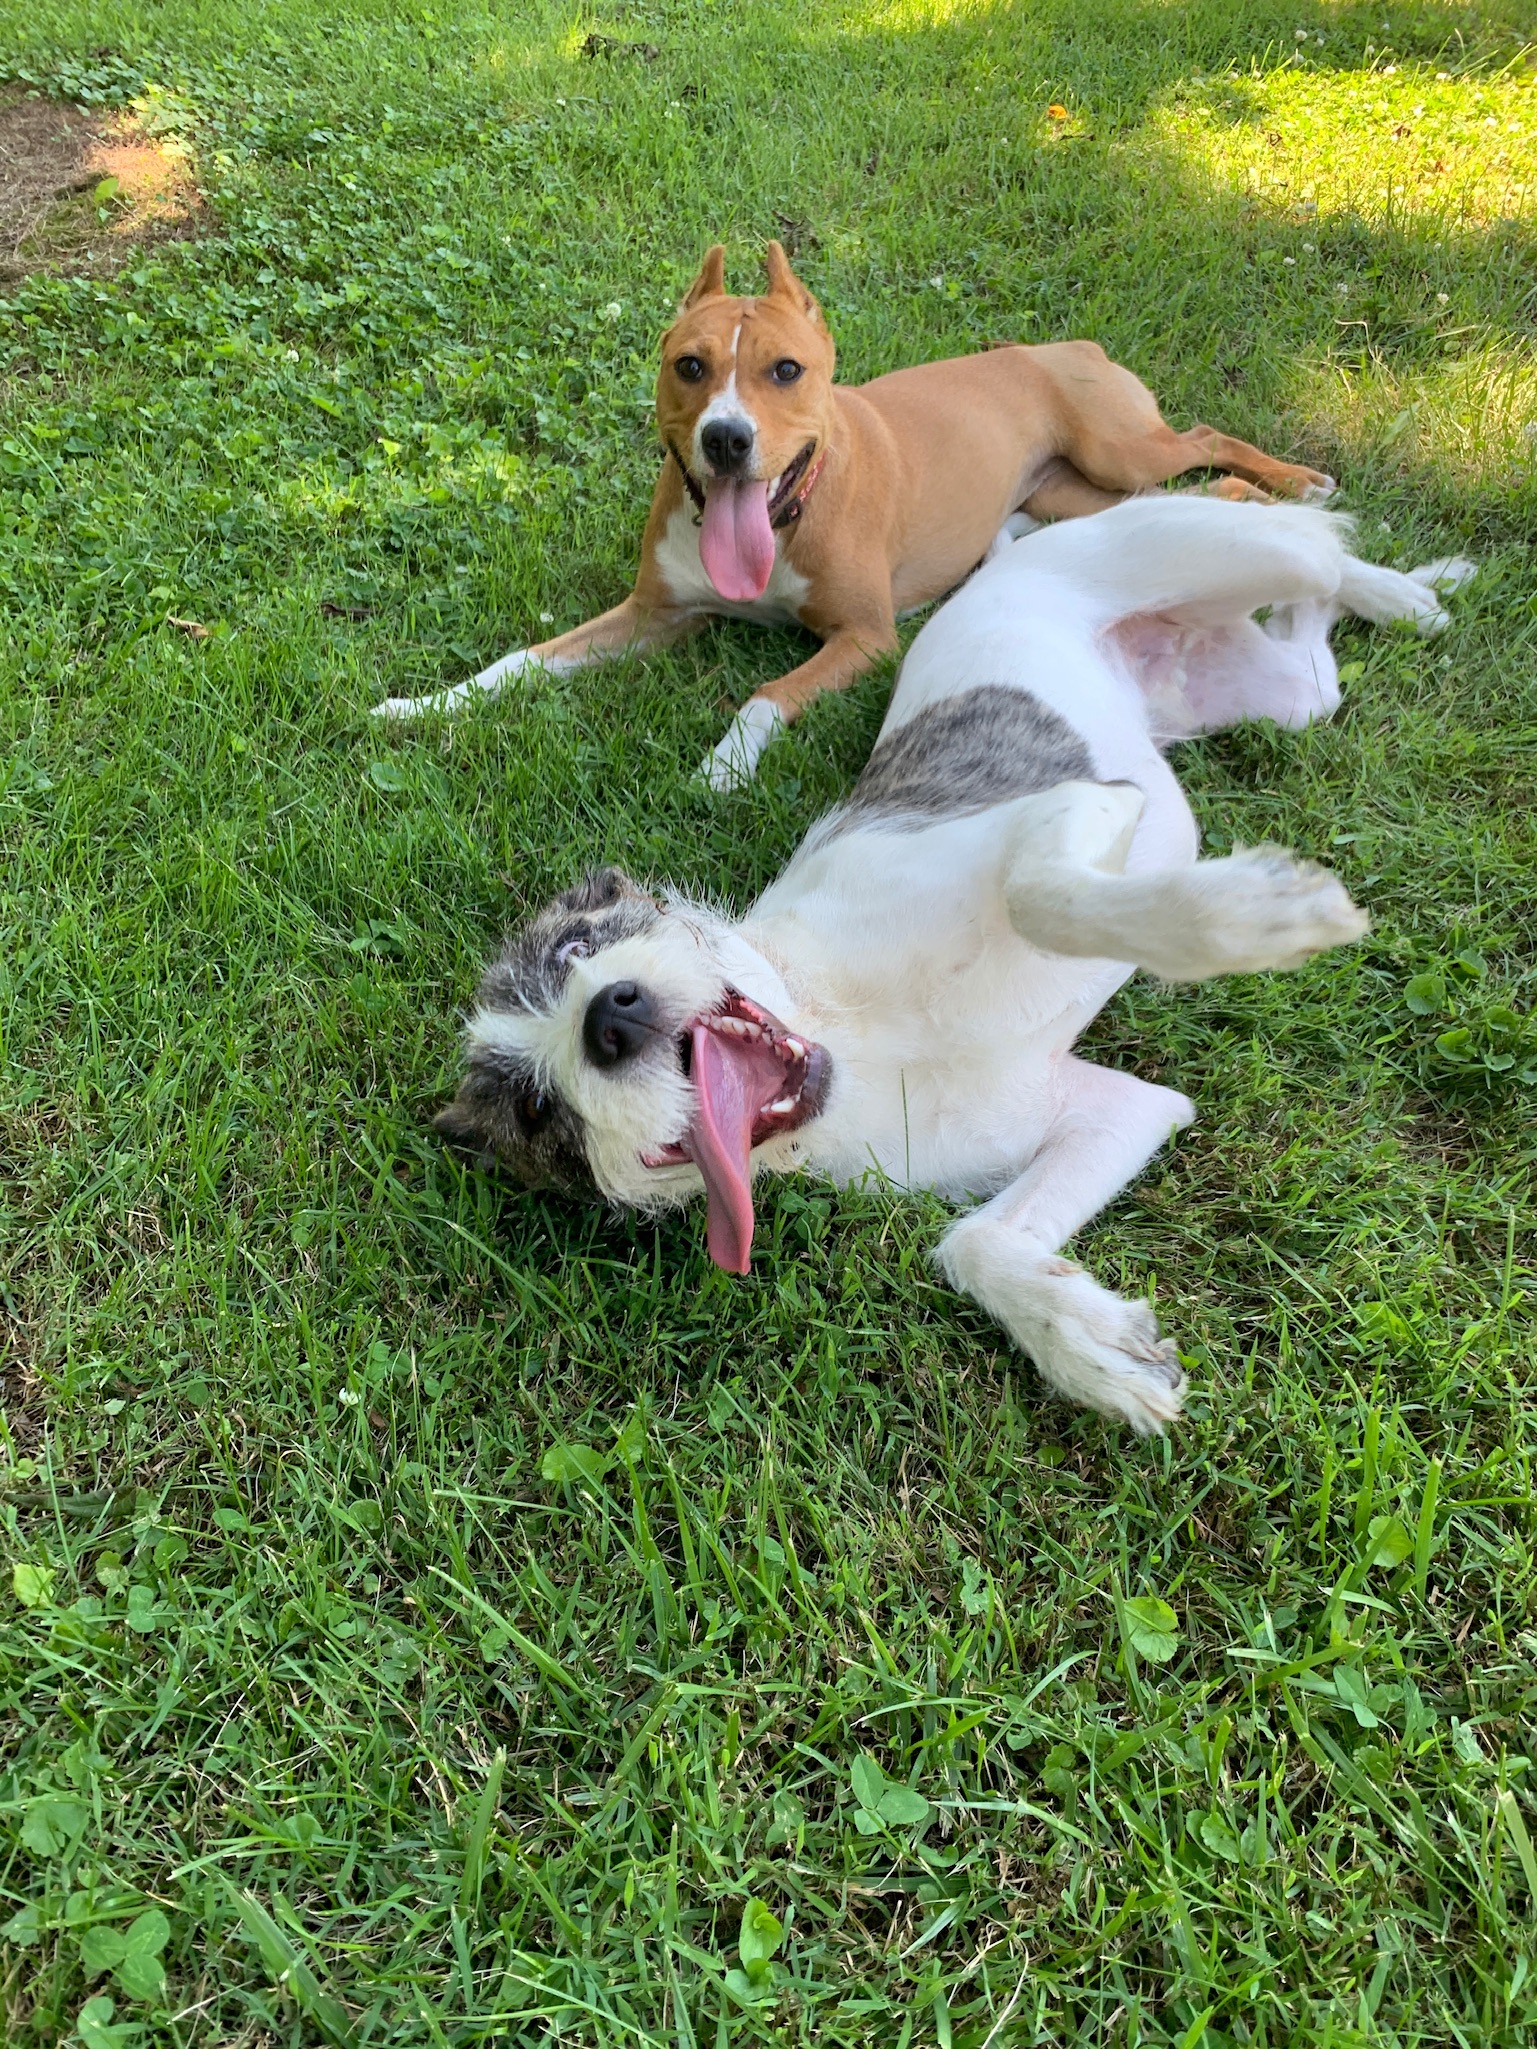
column 1406, row 196
column 1475, row 418
column 894, row 16
column 1378, row 144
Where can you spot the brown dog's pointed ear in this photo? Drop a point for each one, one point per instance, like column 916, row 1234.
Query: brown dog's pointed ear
column 784, row 284
column 711, row 281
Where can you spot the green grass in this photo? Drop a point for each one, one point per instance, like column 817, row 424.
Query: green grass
column 331, row 1702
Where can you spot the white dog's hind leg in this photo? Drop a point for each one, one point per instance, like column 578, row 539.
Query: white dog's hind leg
column 1383, row 595
column 1090, row 1345
column 1255, row 909
column 1448, row 573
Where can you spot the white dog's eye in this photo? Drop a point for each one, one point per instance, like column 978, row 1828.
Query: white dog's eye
column 574, row 949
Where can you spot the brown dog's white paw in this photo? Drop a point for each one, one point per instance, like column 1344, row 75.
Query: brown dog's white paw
column 733, row 762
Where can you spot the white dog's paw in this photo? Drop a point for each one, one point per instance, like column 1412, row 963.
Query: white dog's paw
column 733, row 762
column 1260, row 908
column 1101, row 1350
column 1441, row 579
column 1446, row 575
column 1014, row 528
column 1090, row 1345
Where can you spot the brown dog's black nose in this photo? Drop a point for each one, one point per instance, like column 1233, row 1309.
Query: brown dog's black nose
column 727, row 444
column 618, row 1023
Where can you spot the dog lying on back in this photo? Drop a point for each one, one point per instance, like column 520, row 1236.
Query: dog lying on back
column 785, row 497
column 907, row 994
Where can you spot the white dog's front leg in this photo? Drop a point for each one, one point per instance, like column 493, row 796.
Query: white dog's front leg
column 1090, row 1345
column 1258, row 908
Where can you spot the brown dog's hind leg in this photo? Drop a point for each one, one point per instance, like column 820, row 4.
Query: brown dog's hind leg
column 1111, row 432
column 1203, row 448
column 1065, row 493
column 1157, row 454
column 1234, row 490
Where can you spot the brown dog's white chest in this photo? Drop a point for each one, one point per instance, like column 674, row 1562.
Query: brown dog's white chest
column 683, row 575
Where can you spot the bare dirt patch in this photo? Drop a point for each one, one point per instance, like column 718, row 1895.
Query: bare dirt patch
column 81, row 190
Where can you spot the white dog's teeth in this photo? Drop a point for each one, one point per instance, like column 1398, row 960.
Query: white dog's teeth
column 737, row 1027
column 782, row 1108
column 795, row 1049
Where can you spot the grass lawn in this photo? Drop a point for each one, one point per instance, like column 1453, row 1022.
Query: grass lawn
column 441, row 1616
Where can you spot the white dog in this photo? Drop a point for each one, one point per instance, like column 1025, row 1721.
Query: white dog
column 906, row 995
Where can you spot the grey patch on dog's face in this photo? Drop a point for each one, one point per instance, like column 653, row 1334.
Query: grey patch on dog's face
column 534, row 965
column 503, row 1113
column 974, row 750
column 502, row 1116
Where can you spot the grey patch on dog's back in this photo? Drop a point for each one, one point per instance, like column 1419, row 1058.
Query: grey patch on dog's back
column 965, row 754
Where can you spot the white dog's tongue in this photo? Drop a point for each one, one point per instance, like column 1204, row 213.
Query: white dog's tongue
column 733, row 1079
column 736, row 542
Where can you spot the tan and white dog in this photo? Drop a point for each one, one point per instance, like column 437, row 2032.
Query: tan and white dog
column 906, row 995
column 788, row 498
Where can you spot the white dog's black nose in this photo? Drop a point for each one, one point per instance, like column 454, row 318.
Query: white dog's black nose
column 618, row 1023
column 726, row 444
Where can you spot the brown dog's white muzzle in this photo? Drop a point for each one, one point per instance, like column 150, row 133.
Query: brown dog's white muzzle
column 727, row 445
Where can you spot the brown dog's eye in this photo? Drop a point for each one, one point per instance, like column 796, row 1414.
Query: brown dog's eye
column 533, row 1112
column 689, row 368
column 786, row 370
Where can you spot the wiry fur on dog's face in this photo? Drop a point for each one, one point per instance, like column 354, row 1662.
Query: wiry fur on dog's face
column 534, row 1099
column 615, row 1048
column 765, row 363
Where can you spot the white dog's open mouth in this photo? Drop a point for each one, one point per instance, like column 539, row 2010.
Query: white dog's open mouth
column 752, row 1080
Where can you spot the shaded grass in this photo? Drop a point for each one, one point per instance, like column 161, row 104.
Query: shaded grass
column 281, row 1382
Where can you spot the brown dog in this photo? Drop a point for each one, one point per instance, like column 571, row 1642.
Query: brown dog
column 787, row 497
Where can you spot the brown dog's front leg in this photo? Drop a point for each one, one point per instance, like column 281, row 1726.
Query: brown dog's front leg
column 625, row 628
column 845, row 655
column 630, row 627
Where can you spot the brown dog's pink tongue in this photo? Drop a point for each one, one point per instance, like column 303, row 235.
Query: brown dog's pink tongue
column 736, row 542
column 733, row 1079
